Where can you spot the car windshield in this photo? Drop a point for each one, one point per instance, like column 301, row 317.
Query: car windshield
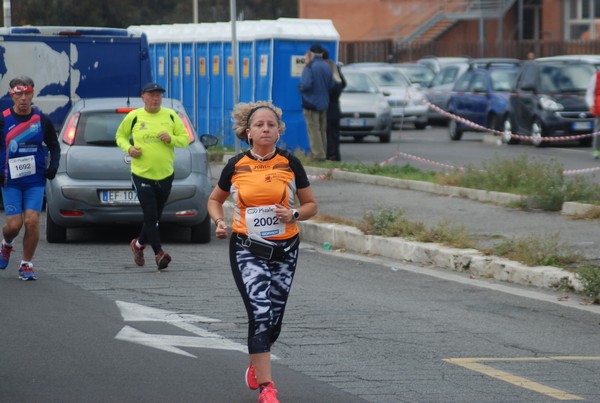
column 359, row 83
column 389, row 78
column 502, row 80
column 98, row 128
column 418, row 74
column 568, row 77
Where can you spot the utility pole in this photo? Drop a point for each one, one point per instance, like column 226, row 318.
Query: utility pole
column 236, row 66
column 7, row 14
column 195, row 11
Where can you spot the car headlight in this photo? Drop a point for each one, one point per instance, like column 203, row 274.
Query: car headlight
column 550, row 104
column 383, row 106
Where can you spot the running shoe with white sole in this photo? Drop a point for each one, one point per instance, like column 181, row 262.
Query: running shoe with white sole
column 26, row 272
column 5, row 252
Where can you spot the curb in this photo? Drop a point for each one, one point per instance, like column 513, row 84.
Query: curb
column 460, row 260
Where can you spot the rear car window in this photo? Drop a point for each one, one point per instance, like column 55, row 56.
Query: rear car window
column 98, row 128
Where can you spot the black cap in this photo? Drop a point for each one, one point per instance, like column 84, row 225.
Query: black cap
column 150, row 87
column 316, row 48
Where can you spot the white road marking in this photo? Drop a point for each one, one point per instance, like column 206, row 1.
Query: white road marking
column 203, row 339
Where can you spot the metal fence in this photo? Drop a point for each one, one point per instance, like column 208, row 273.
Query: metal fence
column 388, row 51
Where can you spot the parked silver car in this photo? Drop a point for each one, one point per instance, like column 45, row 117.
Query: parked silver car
column 365, row 110
column 405, row 98
column 93, row 183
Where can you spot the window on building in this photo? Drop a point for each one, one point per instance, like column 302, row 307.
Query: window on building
column 583, row 19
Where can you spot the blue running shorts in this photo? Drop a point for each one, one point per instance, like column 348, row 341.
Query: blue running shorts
column 16, row 200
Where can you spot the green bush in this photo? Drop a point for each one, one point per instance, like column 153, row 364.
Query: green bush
column 590, row 278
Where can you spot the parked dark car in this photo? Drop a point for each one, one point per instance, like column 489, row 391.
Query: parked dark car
column 441, row 86
column 93, row 183
column 549, row 100
column 481, row 96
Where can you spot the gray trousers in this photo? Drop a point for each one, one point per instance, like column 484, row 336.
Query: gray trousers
column 316, row 124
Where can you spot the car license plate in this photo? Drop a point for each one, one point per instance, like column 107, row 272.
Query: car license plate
column 582, row 125
column 355, row 122
column 118, row 197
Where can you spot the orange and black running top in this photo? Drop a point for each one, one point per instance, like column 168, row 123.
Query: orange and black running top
column 256, row 186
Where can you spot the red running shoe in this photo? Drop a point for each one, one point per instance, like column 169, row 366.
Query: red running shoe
column 138, row 253
column 268, row 394
column 251, row 381
column 162, row 260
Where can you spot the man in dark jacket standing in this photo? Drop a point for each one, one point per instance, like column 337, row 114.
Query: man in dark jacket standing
column 315, row 83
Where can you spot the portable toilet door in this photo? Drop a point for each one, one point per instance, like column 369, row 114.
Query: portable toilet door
column 202, row 88
column 188, row 81
column 174, row 88
column 263, row 57
column 162, row 63
column 246, row 71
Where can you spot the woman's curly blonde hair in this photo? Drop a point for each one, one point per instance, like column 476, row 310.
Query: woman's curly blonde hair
column 242, row 115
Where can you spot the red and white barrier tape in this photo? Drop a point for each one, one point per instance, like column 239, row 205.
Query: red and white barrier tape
column 323, row 177
column 503, row 134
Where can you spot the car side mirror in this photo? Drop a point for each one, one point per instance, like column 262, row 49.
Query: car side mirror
column 386, row 93
column 208, row 140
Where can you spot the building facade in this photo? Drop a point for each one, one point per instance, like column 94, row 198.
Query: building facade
column 475, row 27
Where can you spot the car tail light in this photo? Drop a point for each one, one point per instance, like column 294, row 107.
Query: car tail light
column 71, row 213
column 186, row 213
column 69, row 136
column 124, row 110
column 188, row 127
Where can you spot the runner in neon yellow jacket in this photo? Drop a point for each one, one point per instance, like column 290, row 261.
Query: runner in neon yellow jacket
column 155, row 131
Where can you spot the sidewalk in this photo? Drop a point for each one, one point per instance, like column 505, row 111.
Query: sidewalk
column 351, row 195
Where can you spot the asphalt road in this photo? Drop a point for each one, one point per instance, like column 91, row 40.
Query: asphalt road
column 97, row 328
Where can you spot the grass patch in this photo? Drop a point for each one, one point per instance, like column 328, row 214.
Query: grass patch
column 542, row 181
column 545, row 250
column 392, row 223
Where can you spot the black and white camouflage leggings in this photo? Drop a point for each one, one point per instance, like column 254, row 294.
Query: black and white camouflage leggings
column 264, row 286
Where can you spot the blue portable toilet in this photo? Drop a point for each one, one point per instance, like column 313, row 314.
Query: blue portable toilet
column 276, row 50
column 280, row 46
column 271, row 60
